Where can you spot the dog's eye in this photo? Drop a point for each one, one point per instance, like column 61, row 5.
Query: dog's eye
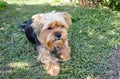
column 62, row 26
column 49, row 28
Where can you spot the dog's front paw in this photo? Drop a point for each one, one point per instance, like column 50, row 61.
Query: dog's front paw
column 52, row 68
column 64, row 53
column 65, row 56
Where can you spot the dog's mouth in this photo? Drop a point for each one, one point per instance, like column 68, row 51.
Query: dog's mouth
column 58, row 43
column 56, row 39
column 57, row 48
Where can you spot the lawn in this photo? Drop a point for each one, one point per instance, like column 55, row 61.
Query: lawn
column 92, row 37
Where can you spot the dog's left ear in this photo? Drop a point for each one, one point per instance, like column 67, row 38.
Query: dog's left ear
column 67, row 18
column 37, row 22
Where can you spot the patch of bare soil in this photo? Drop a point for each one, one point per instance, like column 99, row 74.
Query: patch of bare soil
column 114, row 73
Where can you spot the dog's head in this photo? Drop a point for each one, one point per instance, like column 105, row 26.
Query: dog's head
column 51, row 28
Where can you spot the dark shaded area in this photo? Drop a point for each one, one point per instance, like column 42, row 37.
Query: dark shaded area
column 115, row 63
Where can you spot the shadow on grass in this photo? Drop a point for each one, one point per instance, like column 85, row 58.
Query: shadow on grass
column 92, row 36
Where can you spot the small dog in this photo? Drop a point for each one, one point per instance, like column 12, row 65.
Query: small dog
column 49, row 32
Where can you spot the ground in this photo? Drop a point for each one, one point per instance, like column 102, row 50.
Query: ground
column 114, row 73
column 94, row 38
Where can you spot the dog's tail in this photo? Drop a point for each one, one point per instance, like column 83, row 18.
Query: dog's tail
column 25, row 25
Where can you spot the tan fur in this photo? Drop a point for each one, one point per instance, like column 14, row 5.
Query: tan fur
column 46, row 26
column 67, row 18
column 64, row 53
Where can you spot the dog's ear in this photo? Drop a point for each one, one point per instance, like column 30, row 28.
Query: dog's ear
column 67, row 18
column 37, row 25
column 37, row 16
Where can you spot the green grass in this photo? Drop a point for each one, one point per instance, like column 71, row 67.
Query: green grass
column 2, row 5
column 92, row 36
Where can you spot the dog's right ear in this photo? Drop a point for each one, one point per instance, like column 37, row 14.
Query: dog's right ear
column 67, row 18
column 37, row 25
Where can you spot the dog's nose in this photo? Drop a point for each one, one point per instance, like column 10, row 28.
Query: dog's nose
column 58, row 35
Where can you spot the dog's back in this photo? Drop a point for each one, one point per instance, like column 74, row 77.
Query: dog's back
column 28, row 30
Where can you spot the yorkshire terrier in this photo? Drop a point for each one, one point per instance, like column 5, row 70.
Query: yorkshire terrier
column 48, row 31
